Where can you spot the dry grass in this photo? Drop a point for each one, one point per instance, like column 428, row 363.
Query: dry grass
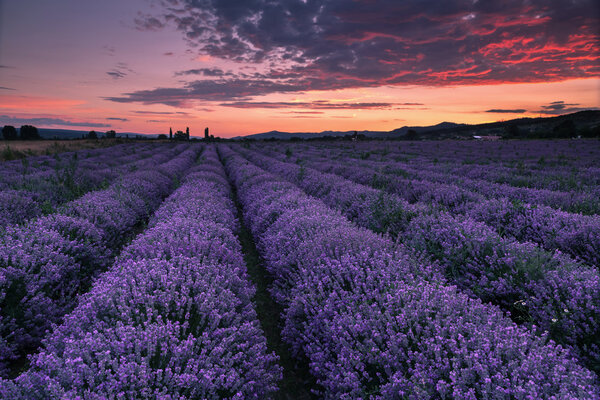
column 15, row 149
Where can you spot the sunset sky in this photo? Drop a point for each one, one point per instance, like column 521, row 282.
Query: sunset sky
column 249, row 66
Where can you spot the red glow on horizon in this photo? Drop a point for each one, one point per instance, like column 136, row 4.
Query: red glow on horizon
column 17, row 102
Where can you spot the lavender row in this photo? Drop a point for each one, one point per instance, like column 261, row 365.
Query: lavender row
column 41, row 162
column 575, row 234
column 29, row 195
column 543, row 173
column 538, row 288
column 579, row 202
column 557, row 153
column 538, row 176
column 31, row 171
column 46, row 263
column 585, row 202
column 375, row 324
column 71, row 177
column 173, row 319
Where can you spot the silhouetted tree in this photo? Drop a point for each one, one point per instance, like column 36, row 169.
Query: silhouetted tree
column 111, row 134
column 29, row 132
column 9, row 132
column 206, row 137
column 187, row 132
column 589, row 132
column 411, row 134
column 163, row 136
column 92, row 135
column 170, row 133
column 512, row 131
column 565, row 129
column 179, row 135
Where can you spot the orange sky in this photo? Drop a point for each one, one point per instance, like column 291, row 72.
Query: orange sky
column 466, row 104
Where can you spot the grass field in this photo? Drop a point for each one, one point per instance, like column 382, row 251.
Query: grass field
column 17, row 149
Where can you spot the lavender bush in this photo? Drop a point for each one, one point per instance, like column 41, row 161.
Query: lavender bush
column 537, row 287
column 578, row 235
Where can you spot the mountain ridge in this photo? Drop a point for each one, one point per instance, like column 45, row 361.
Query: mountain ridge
column 587, row 119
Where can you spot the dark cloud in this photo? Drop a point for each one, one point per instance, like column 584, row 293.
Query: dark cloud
column 318, row 104
column 117, row 119
column 109, row 50
column 160, row 113
column 560, row 107
column 212, row 72
column 168, row 53
column 207, row 90
column 298, row 116
column 121, row 70
column 6, row 88
column 232, row 88
column 5, row 119
column 439, row 42
column 303, row 112
column 322, row 45
column 505, row 111
column 148, row 23
column 116, row 74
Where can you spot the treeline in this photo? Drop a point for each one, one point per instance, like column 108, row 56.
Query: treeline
column 564, row 130
column 30, row 132
column 26, row 132
column 108, row 135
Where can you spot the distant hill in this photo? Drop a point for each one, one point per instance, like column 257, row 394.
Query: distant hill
column 585, row 123
column 60, row 133
column 557, row 126
column 424, row 129
column 305, row 135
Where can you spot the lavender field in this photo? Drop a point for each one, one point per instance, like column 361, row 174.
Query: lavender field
column 302, row 270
